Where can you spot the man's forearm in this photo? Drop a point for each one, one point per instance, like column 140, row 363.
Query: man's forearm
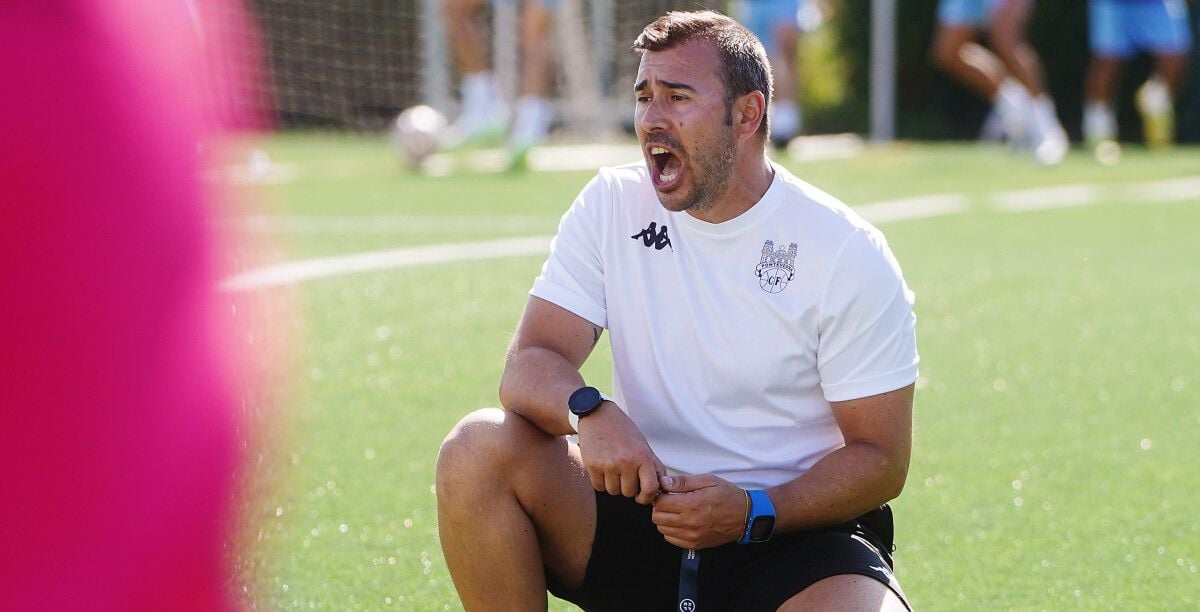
column 844, row 484
column 536, row 385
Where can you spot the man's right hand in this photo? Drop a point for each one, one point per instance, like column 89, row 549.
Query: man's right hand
column 616, row 455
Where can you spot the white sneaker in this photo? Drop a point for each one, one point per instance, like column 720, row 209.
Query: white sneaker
column 477, row 127
column 483, row 117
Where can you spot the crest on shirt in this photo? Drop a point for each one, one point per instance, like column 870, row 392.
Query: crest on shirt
column 776, row 268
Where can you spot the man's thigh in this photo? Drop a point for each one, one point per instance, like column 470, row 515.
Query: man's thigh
column 846, row 592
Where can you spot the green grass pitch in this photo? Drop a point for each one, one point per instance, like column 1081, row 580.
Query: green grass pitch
column 1058, row 409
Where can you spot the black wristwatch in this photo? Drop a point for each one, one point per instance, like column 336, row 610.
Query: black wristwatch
column 584, row 401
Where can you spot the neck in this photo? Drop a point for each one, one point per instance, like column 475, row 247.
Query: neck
column 752, row 176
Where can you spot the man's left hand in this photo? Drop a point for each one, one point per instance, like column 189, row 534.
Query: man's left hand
column 700, row 511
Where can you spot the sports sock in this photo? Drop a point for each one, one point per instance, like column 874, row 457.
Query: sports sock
column 531, row 123
column 1014, row 104
column 1099, row 123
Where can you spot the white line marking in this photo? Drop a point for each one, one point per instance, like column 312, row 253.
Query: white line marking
column 920, row 207
column 390, row 224
column 297, row 271
column 1170, row 190
column 1042, row 198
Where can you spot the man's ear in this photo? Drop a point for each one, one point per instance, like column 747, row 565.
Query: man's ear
column 749, row 111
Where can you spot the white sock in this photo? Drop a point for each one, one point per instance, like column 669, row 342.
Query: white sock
column 479, row 92
column 1047, row 114
column 532, row 121
column 1099, row 122
column 1015, row 106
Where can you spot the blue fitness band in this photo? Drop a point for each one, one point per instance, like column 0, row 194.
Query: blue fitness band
column 760, row 523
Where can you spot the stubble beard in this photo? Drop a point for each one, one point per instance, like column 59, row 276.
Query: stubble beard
column 712, row 173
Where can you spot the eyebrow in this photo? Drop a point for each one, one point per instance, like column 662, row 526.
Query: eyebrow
column 667, row 84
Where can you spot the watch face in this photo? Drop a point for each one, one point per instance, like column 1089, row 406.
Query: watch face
column 584, row 400
column 761, row 528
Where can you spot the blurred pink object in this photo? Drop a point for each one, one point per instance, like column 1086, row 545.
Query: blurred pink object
column 117, row 422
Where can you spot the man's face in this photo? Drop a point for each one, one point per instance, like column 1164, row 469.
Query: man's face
column 681, row 122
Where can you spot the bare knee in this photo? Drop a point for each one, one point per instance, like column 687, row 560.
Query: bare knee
column 482, row 447
column 846, row 592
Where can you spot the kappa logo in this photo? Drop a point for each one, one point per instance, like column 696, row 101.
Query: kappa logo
column 655, row 237
column 776, row 268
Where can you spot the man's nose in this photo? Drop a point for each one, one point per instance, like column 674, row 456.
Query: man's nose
column 653, row 117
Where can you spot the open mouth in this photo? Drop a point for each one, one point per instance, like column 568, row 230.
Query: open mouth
column 665, row 167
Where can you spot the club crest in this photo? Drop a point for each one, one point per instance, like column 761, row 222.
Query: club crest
column 776, row 268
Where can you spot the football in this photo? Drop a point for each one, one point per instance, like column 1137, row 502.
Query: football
column 417, row 132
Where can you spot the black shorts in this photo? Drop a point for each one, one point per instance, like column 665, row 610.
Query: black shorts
column 633, row 568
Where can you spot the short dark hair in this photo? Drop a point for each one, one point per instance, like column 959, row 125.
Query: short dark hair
column 744, row 64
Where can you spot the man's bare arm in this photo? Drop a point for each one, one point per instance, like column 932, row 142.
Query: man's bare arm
column 541, row 369
column 869, row 471
column 540, row 374
column 703, row 510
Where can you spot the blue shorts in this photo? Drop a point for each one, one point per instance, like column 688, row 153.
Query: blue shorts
column 1121, row 28
column 966, row 12
column 762, row 17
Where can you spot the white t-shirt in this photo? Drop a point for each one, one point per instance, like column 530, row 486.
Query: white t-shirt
column 729, row 340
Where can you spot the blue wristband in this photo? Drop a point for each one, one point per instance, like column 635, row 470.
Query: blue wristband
column 760, row 523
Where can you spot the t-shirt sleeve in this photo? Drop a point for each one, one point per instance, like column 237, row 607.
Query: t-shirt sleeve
column 573, row 275
column 867, row 327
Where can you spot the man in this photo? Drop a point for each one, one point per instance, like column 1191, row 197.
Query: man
column 1117, row 30
column 484, row 114
column 1009, row 76
column 762, row 393
column 778, row 24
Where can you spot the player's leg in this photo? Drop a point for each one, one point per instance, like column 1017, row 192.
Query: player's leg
column 533, row 110
column 849, row 592
column 1006, row 31
column 512, row 502
column 467, row 34
column 483, row 114
column 1099, row 119
column 1047, row 139
column 776, row 24
column 1162, row 29
column 955, row 51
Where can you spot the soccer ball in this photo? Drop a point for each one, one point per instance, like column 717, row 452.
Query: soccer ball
column 417, row 132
